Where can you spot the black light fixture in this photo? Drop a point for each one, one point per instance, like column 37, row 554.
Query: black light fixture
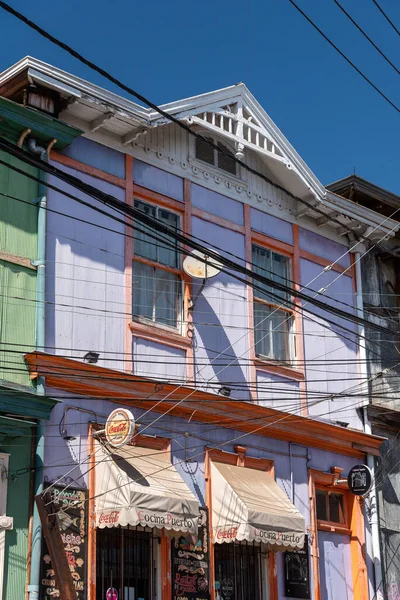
column 91, row 357
column 225, row 391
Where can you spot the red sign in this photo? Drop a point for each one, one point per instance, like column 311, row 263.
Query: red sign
column 120, row 427
column 112, row 594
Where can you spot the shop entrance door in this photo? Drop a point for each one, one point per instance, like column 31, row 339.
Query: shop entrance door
column 240, row 573
column 127, row 564
column 335, row 566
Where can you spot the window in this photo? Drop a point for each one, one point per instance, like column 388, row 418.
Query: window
column 238, row 571
column 215, row 157
column 127, row 560
column 273, row 324
column 157, row 285
column 330, row 506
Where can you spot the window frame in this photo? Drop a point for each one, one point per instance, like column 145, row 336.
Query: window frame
column 328, row 524
column 215, row 165
column 180, row 330
column 211, row 169
column 292, row 340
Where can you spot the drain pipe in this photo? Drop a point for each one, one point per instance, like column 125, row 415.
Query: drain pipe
column 374, row 522
column 34, row 579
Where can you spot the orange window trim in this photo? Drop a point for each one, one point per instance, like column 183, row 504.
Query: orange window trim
column 325, row 263
column 87, row 169
column 91, row 564
column 265, row 364
column 237, row 458
column 142, row 193
column 355, row 522
column 153, row 331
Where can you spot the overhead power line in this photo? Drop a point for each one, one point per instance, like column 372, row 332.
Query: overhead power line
column 371, row 41
column 184, row 239
column 350, row 62
column 388, row 19
column 178, row 122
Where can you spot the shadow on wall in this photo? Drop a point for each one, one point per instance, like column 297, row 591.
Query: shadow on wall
column 211, row 340
column 84, row 272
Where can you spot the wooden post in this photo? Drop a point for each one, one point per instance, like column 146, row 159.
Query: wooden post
column 52, row 534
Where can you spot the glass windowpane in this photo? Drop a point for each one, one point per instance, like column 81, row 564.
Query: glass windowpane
column 142, row 290
column 336, row 507
column 156, row 294
column 275, row 267
column 322, row 507
column 167, row 297
column 143, row 245
column 162, row 248
column 273, row 332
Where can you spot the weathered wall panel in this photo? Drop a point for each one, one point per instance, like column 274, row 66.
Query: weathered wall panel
column 18, row 499
column 271, row 226
column 217, row 204
column 17, row 320
column 220, row 318
column 152, row 359
column 85, row 278
column 158, row 180
column 98, row 156
column 335, row 566
column 278, row 392
column 330, row 351
column 18, row 220
column 321, row 246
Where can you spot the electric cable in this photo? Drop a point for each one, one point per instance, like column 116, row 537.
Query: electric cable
column 173, row 119
column 361, row 30
column 386, row 16
column 351, row 63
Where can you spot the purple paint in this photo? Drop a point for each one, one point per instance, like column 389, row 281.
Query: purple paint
column 158, row 180
column 217, row 204
column 271, row 226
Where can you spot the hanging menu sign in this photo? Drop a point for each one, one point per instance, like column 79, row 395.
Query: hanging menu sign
column 297, row 572
column 191, row 563
column 71, row 510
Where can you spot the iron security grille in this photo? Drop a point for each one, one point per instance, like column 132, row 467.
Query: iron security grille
column 126, row 561
column 238, row 571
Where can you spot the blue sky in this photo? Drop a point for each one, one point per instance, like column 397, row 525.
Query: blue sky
column 170, row 50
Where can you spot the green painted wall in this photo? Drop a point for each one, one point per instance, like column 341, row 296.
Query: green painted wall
column 18, row 235
column 18, row 221
column 17, row 320
column 16, row 549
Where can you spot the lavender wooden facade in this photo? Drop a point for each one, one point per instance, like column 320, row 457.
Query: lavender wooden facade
column 90, row 287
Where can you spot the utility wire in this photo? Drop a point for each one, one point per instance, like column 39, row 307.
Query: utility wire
column 185, row 239
column 361, row 30
column 397, row 109
column 178, row 122
column 386, row 16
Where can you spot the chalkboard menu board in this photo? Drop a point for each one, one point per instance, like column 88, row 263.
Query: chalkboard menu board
column 191, row 563
column 297, row 572
column 71, row 509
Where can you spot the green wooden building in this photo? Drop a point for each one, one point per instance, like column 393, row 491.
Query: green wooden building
column 23, row 407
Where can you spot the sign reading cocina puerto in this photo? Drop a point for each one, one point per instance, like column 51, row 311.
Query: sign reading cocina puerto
column 120, row 427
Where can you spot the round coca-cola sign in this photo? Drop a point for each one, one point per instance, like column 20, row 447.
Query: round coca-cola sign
column 120, row 427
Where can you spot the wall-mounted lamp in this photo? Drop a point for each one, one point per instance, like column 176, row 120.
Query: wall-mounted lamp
column 91, row 357
column 225, row 391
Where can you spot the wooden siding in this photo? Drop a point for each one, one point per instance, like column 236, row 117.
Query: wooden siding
column 18, row 499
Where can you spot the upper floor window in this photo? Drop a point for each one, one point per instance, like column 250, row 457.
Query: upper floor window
column 330, row 506
column 222, row 160
column 273, row 322
column 157, row 284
